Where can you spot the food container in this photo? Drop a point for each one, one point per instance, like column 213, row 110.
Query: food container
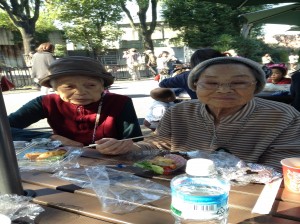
column 163, row 165
column 291, row 174
column 51, row 163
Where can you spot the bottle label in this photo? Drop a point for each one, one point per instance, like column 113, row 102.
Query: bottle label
column 199, row 207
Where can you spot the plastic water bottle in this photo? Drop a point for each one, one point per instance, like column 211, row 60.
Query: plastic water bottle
column 200, row 195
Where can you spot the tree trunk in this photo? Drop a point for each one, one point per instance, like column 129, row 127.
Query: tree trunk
column 148, row 42
column 27, row 32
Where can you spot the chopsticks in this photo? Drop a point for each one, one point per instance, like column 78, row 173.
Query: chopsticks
column 294, row 146
column 145, row 136
column 26, row 147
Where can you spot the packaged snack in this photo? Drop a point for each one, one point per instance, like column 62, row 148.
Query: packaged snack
column 47, row 156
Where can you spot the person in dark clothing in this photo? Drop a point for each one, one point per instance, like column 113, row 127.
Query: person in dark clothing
column 27, row 135
column 82, row 112
column 295, row 89
column 180, row 81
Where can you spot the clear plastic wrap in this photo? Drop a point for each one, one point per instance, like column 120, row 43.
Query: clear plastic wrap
column 15, row 207
column 236, row 170
column 116, row 188
column 52, row 164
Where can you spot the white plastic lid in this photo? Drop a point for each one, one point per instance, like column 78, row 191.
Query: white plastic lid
column 4, row 219
column 200, row 167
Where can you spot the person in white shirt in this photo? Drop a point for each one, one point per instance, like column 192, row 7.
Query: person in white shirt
column 162, row 65
column 163, row 99
column 132, row 61
column 266, row 59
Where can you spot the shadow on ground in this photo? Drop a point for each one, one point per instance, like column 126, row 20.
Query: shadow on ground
column 137, row 95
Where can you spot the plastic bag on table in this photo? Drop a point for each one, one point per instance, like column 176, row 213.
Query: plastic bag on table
column 118, row 192
column 237, row 171
column 53, row 163
column 37, row 142
column 77, row 176
column 15, row 206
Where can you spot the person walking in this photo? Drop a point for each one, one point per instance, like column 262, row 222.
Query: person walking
column 151, row 61
column 41, row 61
column 132, row 62
column 162, row 65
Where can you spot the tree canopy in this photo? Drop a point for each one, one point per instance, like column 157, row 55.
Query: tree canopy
column 24, row 15
column 91, row 23
column 203, row 24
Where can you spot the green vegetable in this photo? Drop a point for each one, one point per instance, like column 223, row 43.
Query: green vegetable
column 54, row 158
column 149, row 166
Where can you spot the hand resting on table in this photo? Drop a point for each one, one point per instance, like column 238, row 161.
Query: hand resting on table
column 111, row 146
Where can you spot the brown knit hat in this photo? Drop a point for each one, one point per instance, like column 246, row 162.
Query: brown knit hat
column 260, row 74
column 77, row 65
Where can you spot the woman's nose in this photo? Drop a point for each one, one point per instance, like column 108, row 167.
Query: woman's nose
column 79, row 89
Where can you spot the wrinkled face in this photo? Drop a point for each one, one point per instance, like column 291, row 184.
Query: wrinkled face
column 224, row 96
column 277, row 75
column 77, row 89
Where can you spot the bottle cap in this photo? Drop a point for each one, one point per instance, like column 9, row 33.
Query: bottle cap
column 200, row 167
column 4, row 219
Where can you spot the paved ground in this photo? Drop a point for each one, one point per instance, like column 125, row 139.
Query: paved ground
column 138, row 91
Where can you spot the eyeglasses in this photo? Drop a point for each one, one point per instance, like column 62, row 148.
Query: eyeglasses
column 232, row 85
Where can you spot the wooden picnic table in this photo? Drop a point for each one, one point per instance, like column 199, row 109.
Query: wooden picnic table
column 66, row 203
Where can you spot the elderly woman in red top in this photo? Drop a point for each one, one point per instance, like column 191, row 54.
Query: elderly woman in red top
column 279, row 72
column 81, row 112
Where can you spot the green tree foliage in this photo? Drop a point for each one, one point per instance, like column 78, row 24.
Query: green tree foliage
column 60, row 50
column 204, row 24
column 5, row 22
column 44, row 26
column 24, row 15
column 91, row 23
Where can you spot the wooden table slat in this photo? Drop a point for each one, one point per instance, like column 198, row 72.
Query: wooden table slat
column 69, row 201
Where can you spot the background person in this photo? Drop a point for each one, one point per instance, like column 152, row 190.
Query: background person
column 279, row 71
column 267, row 59
column 132, row 61
column 163, row 98
column 41, row 61
column 151, row 61
column 162, row 65
column 180, row 81
column 80, row 113
column 295, row 89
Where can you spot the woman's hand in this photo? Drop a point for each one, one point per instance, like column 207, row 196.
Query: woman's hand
column 66, row 141
column 111, row 146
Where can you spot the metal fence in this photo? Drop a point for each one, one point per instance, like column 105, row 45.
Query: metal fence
column 21, row 76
